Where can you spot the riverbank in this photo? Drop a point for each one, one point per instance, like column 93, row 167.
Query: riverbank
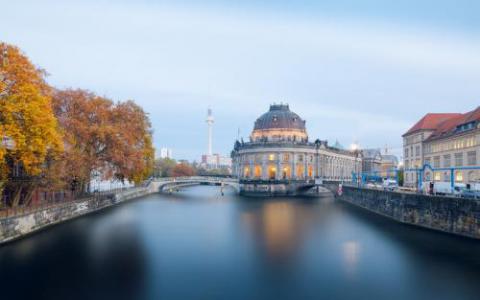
column 448, row 214
column 18, row 226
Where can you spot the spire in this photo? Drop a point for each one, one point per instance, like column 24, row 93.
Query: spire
column 210, row 122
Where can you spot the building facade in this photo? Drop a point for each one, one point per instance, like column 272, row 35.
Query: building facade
column 216, row 161
column 166, row 153
column 371, row 160
column 279, row 159
column 442, row 147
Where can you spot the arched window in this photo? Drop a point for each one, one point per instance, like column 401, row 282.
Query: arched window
column 459, row 176
column 246, row 172
column 258, row 171
column 272, row 172
column 300, row 171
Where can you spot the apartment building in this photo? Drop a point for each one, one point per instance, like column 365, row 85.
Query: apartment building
column 440, row 144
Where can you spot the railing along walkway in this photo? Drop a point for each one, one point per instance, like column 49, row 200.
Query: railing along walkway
column 9, row 212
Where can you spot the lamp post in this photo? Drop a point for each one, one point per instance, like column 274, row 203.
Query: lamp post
column 317, row 147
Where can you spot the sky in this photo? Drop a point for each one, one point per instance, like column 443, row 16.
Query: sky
column 357, row 71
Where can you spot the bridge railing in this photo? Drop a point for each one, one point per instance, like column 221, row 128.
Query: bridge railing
column 60, row 198
column 195, row 179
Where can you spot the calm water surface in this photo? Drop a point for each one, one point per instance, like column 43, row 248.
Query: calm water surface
column 199, row 245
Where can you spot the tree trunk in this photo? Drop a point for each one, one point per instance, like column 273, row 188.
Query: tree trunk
column 17, row 193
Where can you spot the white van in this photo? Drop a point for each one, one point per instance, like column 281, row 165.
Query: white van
column 443, row 188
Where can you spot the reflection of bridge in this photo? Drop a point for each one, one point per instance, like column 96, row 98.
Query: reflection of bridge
column 170, row 184
column 299, row 187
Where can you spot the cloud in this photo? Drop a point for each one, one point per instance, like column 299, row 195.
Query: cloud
column 350, row 78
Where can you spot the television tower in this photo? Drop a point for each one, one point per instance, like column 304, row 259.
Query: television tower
column 210, row 122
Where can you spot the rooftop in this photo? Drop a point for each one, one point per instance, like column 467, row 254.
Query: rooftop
column 279, row 116
column 453, row 125
column 431, row 121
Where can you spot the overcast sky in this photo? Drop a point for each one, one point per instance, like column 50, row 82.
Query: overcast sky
column 355, row 70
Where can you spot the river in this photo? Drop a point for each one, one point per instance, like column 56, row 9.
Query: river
column 198, row 244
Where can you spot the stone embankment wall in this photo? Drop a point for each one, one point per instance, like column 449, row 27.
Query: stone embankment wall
column 449, row 214
column 18, row 226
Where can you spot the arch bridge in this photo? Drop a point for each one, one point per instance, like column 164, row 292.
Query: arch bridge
column 170, row 184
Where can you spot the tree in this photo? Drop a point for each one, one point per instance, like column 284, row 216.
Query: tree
column 183, row 169
column 100, row 136
column 164, row 167
column 131, row 150
column 26, row 120
column 401, row 177
column 84, row 120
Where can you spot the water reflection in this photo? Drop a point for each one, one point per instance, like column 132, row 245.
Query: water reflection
column 279, row 225
column 197, row 244
column 351, row 251
column 88, row 258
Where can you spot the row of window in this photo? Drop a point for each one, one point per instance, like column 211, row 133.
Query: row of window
column 413, row 164
column 414, row 139
column 452, row 145
column 458, row 176
column 458, row 160
column 284, row 157
column 465, row 127
column 409, row 151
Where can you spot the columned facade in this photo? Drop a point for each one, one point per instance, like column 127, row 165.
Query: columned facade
column 280, row 158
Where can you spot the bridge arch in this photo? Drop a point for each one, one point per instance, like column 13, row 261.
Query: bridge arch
column 162, row 184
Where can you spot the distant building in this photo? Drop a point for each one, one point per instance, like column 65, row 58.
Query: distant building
column 166, row 153
column 216, row 161
column 448, row 144
column 371, row 160
column 388, row 165
column 376, row 163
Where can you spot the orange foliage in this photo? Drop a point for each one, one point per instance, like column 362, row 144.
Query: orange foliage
column 114, row 139
column 26, row 116
column 182, row 170
column 67, row 134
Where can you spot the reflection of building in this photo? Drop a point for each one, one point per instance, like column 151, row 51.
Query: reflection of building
column 279, row 159
column 280, row 226
column 166, row 153
column 445, row 142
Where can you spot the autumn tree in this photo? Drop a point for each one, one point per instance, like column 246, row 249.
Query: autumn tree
column 183, row 169
column 27, row 124
column 164, row 167
column 113, row 139
column 131, row 151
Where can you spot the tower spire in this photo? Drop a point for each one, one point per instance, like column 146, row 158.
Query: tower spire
column 210, row 122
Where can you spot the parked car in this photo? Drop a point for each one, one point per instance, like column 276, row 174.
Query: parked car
column 390, row 184
column 469, row 193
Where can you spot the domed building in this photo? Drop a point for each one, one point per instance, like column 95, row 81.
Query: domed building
column 279, row 159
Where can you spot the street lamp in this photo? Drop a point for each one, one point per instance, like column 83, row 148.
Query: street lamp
column 317, row 147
